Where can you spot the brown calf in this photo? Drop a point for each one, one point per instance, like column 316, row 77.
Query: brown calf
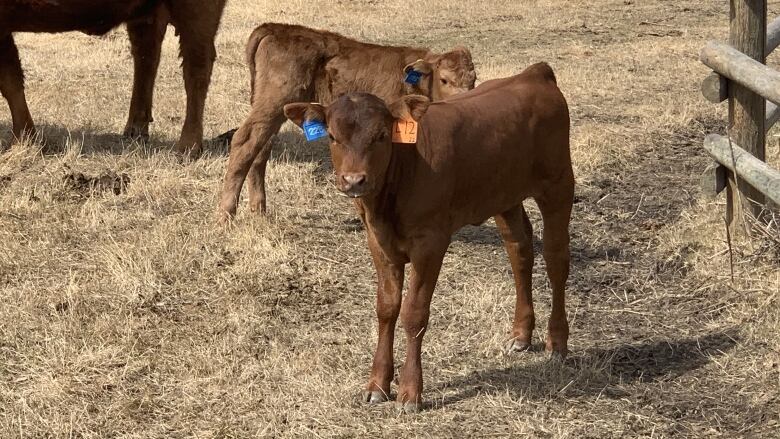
column 479, row 154
column 289, row 63
column 196, row 22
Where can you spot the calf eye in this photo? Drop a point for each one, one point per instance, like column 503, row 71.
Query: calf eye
column 443, row 81
column 381, row 137
column 331, row 137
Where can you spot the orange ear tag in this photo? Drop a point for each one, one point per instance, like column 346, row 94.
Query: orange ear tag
column 405, row 131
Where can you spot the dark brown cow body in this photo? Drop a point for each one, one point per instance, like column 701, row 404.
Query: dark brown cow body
column 478, row 155
column 196, row 22
column 289, row 63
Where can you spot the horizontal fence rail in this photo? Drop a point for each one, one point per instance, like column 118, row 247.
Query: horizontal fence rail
column 748, row 168
column 740, row 68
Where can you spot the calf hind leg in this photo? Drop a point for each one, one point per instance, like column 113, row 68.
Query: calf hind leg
column 256, row 177
column 250, row 144
column 12, row 88
column 516, row 232
column 556, row 213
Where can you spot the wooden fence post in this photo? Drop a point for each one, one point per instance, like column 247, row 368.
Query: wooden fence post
column 747, row 111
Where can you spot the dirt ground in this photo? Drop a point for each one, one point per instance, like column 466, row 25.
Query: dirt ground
column 127, row 312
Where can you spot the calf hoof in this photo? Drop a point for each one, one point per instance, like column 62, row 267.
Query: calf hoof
column 557, row 351
column 374, row 397
column 225, row 138
column 409, row 407
column 515, row 346
column 557, row 356
column 257, row 207
column 225, row 217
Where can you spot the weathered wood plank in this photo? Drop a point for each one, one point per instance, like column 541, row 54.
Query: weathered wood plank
column 747, row 110
column 715, row 89
column 772, row 115
column 772, row 36
column 713, row 179
column 740, row 68
column 748, row 168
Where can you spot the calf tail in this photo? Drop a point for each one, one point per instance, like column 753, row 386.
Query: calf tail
column 252, row 44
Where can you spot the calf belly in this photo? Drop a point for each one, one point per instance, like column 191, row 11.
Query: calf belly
column 95, row 17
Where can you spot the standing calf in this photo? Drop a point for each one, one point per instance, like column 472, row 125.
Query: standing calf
column 289, row 63
column 477, row 155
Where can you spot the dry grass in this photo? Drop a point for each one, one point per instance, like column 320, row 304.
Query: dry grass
column 133, row 315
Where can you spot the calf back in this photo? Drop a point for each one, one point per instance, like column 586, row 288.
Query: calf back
column 483, row 152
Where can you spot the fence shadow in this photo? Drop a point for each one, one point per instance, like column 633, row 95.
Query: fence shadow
column 596, row 372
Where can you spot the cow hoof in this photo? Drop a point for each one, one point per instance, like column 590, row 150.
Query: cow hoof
column 136, row 134
column 516, row 346
column 374, row 396
column 408, row 407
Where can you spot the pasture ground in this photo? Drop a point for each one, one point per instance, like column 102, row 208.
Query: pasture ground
column 126, row 312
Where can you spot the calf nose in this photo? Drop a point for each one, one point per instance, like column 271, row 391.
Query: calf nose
column 352, row 182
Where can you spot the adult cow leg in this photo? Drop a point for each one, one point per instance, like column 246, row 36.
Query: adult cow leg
column 426, row 259
column 12, row 88
column 146, row 37
column 388, row 305
column 517, row 232
column 197, row 26
column 556, row 212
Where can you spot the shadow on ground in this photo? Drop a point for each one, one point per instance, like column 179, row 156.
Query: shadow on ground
column 596, row 372
column 55, row 139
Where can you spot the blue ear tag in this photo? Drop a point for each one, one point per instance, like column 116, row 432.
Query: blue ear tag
column 412, row 77
column 314, row 129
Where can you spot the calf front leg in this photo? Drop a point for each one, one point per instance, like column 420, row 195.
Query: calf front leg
column 12, row 88
column 426, row 263
column 390, row 279
column 146, row 37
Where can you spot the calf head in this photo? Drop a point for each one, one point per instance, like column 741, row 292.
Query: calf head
column 443, row 75
column 359, row 126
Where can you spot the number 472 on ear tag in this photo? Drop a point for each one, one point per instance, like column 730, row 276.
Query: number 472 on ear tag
column 405, row 131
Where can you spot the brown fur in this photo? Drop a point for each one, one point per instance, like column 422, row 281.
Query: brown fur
column 288, row 63
column 196, row 22
column 479, row 154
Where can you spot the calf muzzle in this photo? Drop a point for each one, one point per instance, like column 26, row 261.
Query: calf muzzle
column 352, row 184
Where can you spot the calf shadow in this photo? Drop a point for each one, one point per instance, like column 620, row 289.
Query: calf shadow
column 594, row 373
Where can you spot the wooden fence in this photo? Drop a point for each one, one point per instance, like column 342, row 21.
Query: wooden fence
column 753, row 92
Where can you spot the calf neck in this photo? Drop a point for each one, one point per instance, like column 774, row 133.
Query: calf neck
column 477, row 155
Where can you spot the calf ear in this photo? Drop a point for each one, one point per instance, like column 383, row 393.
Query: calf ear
column 300, row 112
column 421, row 66
column 462, row 51
column 413, row 106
